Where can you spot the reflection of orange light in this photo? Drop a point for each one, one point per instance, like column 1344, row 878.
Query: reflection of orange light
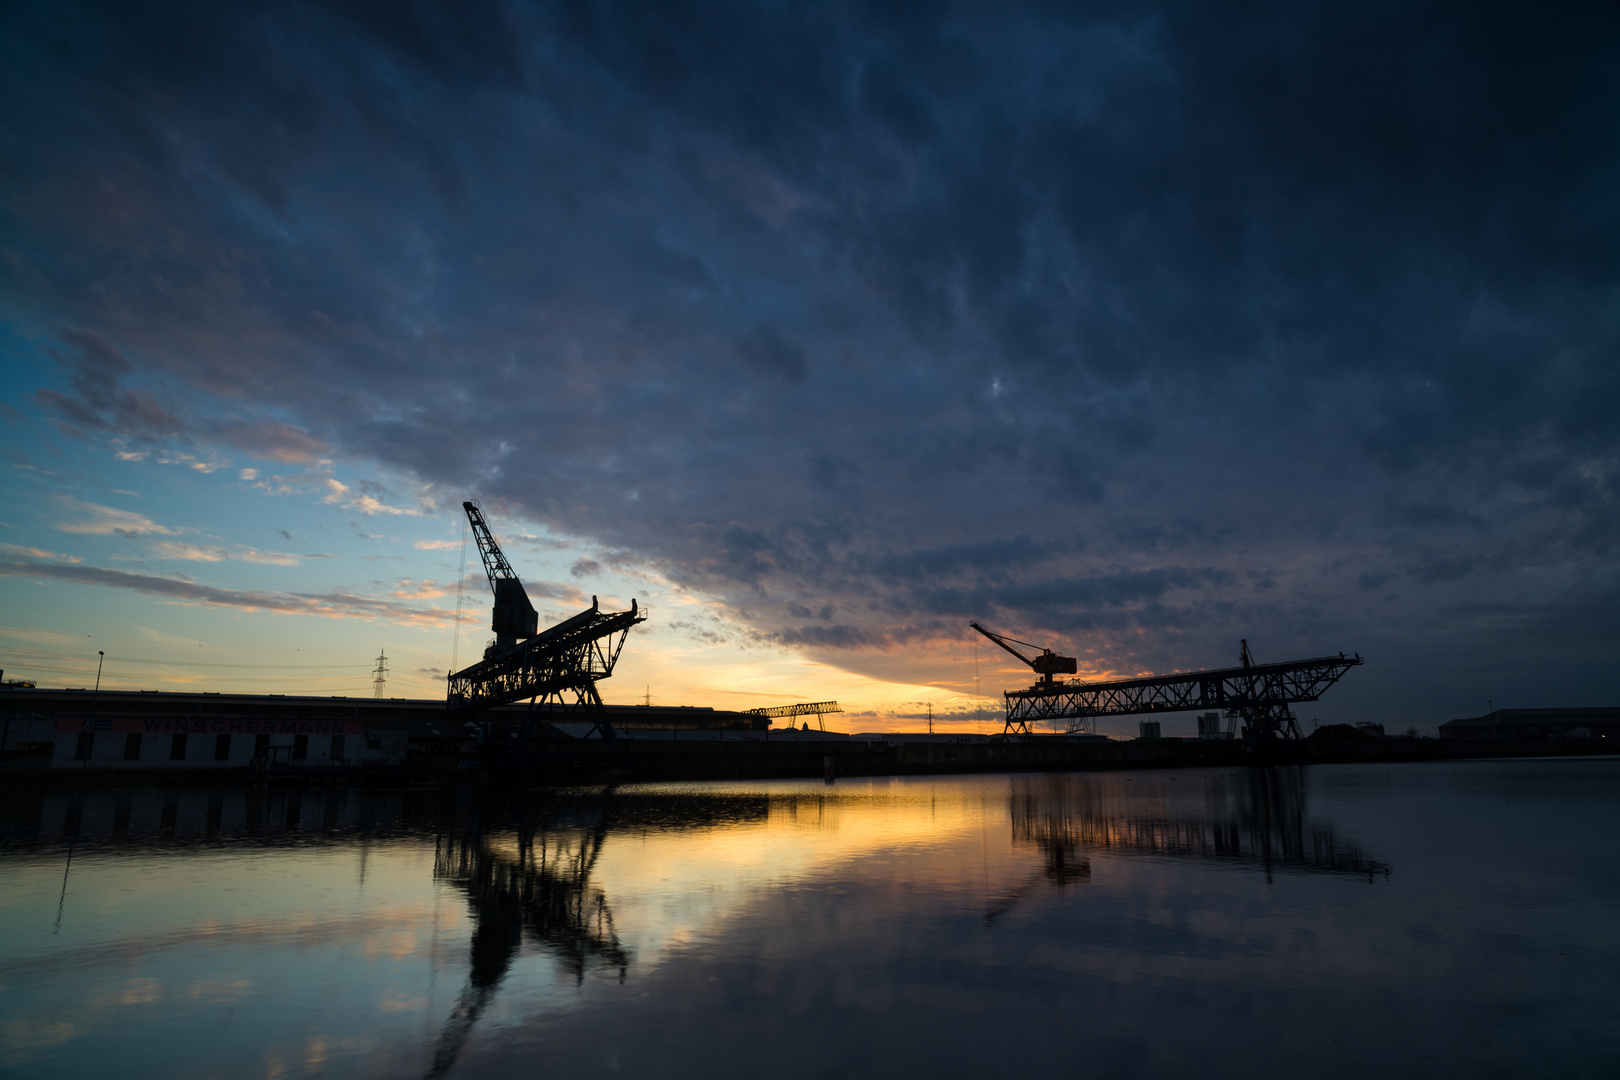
column 141, row 992
column 670, row 887
column 28, row 1035
column 314, row 1053
column 396, row 944
column 398, row 1003
column 215, row 991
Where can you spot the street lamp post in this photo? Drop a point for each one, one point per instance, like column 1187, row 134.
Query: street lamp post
column 95, row 709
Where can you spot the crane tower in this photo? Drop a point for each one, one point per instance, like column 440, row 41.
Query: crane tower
column 559, row 666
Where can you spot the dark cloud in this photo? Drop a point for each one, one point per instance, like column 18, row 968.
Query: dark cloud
column 1120, row 320
column 1369, row 580
column 987, row 557
column 837, row 636
column 764, row 351
column 275, row 441
column 100, row 401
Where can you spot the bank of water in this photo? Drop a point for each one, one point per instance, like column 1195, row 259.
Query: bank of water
column 1456, row 918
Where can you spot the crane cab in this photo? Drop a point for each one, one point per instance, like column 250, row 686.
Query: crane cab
column 1050, row 663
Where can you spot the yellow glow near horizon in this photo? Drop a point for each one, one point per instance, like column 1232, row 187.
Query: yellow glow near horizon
column 678, row 673
column 692, row 651
column 723, row 679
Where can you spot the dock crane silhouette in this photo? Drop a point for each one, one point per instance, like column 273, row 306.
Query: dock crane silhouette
column 514, row 618
column 1045, row 663
column 547, row 667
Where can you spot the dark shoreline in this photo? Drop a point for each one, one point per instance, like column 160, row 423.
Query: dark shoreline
column 649, row 760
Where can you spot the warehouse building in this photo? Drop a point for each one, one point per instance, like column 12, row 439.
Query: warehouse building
column 149, row 729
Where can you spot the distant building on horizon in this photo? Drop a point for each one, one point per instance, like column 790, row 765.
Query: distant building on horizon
column 1595, row 723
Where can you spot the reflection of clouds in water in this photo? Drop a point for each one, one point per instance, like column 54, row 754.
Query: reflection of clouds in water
column 749, row 923
column 674, row 867
column 25, row 1036
column 673, row 886
column 170, row 937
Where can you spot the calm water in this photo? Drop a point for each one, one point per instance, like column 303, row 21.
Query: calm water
column 1414, row 920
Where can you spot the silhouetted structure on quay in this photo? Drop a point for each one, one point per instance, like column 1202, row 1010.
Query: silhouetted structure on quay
column 1599, row 723
column 1261, row 694
column 559, row 666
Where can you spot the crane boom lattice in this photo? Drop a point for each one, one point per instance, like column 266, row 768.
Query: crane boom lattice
column 569, row 658
column 1260, row 693
column 1045, row 663
column 559, row 666
column 514, row 617
column 818, row 709
column 815, row 708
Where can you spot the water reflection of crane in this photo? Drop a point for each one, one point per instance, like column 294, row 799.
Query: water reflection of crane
column 525, row 861
column 1258, row 820
column 531, row 884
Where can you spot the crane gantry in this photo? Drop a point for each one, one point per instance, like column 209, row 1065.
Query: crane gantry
column 817, row 709
column 549, row 666
column 1258, row 693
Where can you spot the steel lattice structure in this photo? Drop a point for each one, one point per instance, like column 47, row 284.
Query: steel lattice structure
column 566, row 659
column 817, row 709
column 813, row 708
column 1260, row 693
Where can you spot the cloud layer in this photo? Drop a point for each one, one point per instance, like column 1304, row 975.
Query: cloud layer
column 1139, row 326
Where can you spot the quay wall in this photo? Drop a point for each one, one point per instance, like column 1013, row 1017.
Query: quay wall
column 755, row 759
column 57, row 737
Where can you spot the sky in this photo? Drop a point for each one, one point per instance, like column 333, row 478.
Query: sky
column 1128, row 329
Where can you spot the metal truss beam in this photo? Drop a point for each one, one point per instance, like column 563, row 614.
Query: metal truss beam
column 566, row 660
column 813, row 708
column 1260, row 694
column 818, row 709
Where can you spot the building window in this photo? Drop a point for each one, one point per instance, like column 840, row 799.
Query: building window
column 132, row 746
column 261, row 746
column 87, row 745
column 177, row 748
column 337, row 748
column 222, row 748
column 300, row 747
